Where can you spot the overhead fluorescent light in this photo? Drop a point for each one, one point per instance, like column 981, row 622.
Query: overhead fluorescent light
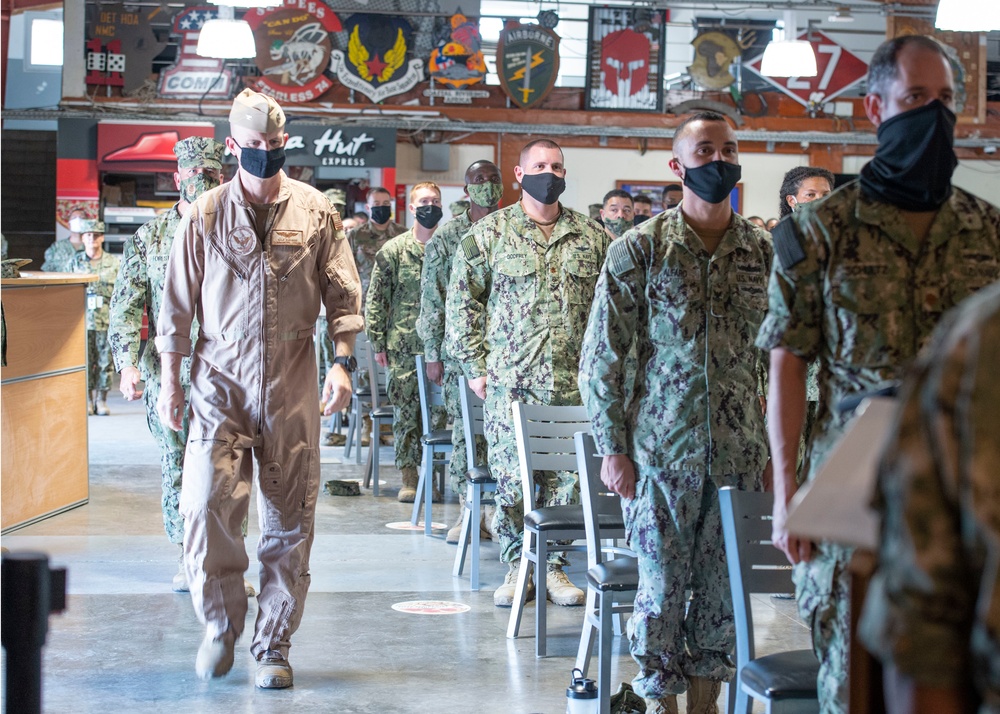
column 843, row 14
column 968, row 16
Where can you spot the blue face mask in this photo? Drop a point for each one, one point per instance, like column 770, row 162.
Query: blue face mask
column 260, row 163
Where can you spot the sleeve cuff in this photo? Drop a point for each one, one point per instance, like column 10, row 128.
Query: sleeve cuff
column 432, row 353
column 172, row 343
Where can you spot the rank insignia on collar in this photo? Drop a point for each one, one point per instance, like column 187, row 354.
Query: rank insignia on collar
column 375, row 63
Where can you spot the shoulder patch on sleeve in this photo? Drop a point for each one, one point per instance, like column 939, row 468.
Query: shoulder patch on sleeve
column 619, row 259
column 788, row 243
column 337, row 224
column 470, row 249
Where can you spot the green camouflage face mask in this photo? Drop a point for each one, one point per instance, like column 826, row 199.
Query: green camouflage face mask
column 485, row 194
column 617, row 225
column 194, row 186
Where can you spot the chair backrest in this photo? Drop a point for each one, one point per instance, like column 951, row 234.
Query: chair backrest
column 431, row 394
column 472, row 420
column 597, row 499
column 376, row 381
column 544, row 437
column 755, row 565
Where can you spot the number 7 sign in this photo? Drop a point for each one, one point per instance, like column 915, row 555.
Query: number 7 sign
column 837, row 71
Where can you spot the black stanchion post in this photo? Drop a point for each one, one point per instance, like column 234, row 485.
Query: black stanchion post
column 30, row 592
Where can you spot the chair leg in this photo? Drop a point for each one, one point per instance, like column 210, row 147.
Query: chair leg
column 352, row 426
column 521, row 590
column 418, row 500
column 427, row 480
column 374, row 453
column 743, row 700
column 604, row 651
column 586, row 647
column 358, row 436
column 368, row 467
column 542, row 568
column 472, row 513
column 463, row 540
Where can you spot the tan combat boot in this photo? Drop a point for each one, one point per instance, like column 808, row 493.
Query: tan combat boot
column 664, row 705
column 273, row 671
column 560, row 590
column 703, row 696
column 409, row 490
column 90, row 402
column 101, row 408
column 215, row 656
column 486, row 529
column 503, row 596
column 334, row 439
column 455, row 532
column 180, row 582
column 366, row 430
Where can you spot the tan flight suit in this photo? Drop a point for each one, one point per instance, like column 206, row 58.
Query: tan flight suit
column 254, row 392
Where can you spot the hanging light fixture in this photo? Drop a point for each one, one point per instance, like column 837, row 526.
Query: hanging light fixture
column 788, row 57
column 967, row 16
column 226, row 37
column 843, row 14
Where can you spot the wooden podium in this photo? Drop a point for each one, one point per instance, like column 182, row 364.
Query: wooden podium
column 43, row 393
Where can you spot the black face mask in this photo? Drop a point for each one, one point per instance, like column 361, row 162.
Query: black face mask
column 914, row 160
column 381, row 214
column 639, row 218
column 260, row 163
column 544, row 188
column 714, row 181
column 428, row 216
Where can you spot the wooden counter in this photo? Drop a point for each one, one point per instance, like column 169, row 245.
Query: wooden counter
column 43, row 394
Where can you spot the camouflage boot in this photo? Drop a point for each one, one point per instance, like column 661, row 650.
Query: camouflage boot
column 101, row 408
column 664, row 705
column 703, row 696
column 455, row 532
column 409, row 490
column 180, row 582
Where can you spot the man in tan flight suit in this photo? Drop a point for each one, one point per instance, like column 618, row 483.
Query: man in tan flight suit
column 252, row 259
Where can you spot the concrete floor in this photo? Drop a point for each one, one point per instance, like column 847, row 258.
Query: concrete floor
column 127, row 643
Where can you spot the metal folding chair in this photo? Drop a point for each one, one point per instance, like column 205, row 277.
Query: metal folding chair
column 381, row 413
column 435, row 445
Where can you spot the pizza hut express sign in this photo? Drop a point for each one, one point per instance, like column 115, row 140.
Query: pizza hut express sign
column 334, row 146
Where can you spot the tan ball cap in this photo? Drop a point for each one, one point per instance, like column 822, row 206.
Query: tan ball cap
column 256, row 112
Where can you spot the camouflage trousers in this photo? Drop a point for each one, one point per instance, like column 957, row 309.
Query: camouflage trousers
column 325, row 352
column 822, row 588
column 172, row 444
column 404, row 395
column 556, row 488
column 100, row 368
column 459, row 466
column 674, row 524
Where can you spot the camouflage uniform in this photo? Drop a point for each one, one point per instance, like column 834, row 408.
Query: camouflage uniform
column 366, row 241
column 139, row 286
column 517, row 309
column 100, row 370
column 691, row 426
column 60, row 256
column 391, row 320
column 856, row 291
column 936, row 581
column 438, row 259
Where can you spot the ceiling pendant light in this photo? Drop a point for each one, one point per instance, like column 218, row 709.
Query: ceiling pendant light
column 226, row 37
column 967, row 16
column 789, row 57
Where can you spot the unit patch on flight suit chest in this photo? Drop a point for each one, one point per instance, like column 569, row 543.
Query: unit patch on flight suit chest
column 242, row 240
column 286, row 237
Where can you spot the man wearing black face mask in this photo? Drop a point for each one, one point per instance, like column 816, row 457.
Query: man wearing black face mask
column 688, row 288
column 521, row 287
column 253, row 259
column 882, row 259
column 391, row 314
column 368, row 238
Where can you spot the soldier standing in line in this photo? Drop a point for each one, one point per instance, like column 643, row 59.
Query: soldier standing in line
column 642, row 208
column 485, row 187
column 93, row 259
column 59, row 256
column 367, row 239
column 521, row 288
column 138, row 288
column 689, row 290
column 860, row 282
column 391, row 321
column 924, row 615
column 617, row 212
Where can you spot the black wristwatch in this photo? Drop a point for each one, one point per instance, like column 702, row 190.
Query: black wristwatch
column 348, row 363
